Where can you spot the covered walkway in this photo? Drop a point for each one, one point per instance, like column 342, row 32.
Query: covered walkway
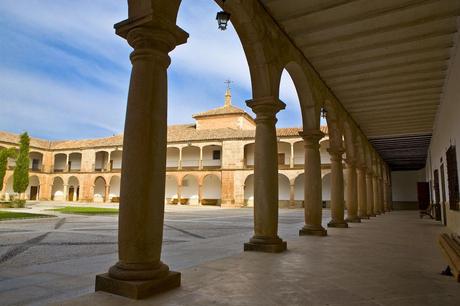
column 391, row 260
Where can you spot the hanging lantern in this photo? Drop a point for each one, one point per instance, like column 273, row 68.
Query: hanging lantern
column 222, row 19
column 323, row 113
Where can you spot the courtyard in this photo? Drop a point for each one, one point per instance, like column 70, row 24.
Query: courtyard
column 52, row 260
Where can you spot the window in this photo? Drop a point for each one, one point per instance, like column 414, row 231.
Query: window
column 216, row 155
column 452, row 177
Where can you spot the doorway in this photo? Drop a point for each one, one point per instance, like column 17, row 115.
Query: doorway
column 71, row 194
column 33, row 193
column 443, row 193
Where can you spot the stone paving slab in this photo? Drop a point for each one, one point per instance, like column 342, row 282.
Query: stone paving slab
column 389, row 260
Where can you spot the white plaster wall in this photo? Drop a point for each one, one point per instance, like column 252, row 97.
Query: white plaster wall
column 190, row 156
column 285, row 148
column 326, row 187
column 114, row 187
column 75, row 159
column 447, row 130
column 171, row 188
column 250, row 154
column 60, row 161
column 404, row 185
column 211, row 187
column 58, row 190
column 115, row 157
column 249, row 190
column 172, row 157
column 299, row 153
column 283, row 187
column 299, row 186
column 208, row 156
column 190, row 189
column 99, row 190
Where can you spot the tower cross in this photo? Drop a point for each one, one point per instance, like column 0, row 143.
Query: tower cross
column 228, row 82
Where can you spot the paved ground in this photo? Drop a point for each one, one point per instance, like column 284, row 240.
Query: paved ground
column 46, row 260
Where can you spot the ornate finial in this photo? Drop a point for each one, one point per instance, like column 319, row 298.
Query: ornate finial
column 228, row 94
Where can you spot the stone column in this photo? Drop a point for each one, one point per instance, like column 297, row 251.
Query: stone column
column 291, row 161
column 385, row 197
column 337, row 192
column 352, row 193
column 313, row 187
column 375, row 194
column 362, row 193
column 179, row 193
column 265, row 237
column 179, row 164
column 66, row 193
column 382, row 203
column 139, row 271
column 200, row 193
column 106, row 193
column 369, row 194
column 292, row 195
column 200, row 163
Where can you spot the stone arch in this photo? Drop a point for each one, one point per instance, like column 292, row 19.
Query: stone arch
column 114, row 189
column 101, row 159
column 211, row 190
column 74, row 163
column 99, row 189
column 249, row 190
column 284, row 190
column 299, row 153
column 33, row 189
column 116, row 159
column 35, row 161
column 73, row 189
column 60, row 162
column 324, row 144
column 326, row 189
column 190, row 190
column 57, row 190
column 190, row 157
column 171, row 190
column 308, row 104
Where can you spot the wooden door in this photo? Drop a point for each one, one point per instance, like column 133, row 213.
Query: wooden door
column 33, row 193
column 423, row 195
column 71, row 192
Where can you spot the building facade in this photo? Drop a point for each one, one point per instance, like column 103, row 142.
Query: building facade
column 209, row 162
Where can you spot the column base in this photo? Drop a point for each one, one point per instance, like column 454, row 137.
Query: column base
column 313, row 231
column 372, row 216
column 354, row 219
column 340, row 224
column 364, row 217
column 276, row 247
column 137, row 289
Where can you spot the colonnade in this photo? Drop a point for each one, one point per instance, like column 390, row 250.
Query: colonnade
column 139, row 271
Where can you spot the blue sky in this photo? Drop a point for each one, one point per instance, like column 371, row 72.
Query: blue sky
column 65, row 74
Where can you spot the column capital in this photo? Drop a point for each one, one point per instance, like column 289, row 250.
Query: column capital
column 312, row 136
column 265, row 107
column 336, row 153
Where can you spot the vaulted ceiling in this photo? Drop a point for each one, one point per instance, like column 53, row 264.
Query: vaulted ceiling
column 386, row 61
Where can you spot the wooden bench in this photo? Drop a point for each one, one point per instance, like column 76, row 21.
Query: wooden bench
column 450, row 246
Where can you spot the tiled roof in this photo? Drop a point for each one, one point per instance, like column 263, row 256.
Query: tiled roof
column 176, row 133
column 223, row 110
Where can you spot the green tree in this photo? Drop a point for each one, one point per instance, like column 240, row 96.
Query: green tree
column 21, row 171
column 4, row 155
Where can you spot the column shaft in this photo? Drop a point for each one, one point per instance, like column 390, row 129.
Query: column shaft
column 369, row 195
column 375, row 195
column 313, row 188
column 337, row 190
column 265, row 237
column 352, row 193
column 139, row 271
column 362, row 193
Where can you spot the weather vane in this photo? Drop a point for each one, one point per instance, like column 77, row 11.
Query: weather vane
column 228, row 82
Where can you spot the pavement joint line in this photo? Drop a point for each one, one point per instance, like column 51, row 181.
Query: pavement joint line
column 185, row 232
column 59, row 223
column 13, row 252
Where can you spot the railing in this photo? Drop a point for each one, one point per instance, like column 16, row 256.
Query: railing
column 172, row 164
column 190, row 163
column 212, row 163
